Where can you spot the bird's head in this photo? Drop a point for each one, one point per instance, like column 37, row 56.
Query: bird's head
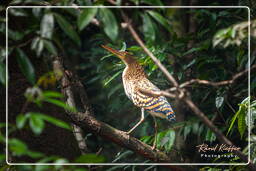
column 123, row 55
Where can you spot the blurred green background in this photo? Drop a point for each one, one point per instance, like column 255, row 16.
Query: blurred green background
column 203, row 43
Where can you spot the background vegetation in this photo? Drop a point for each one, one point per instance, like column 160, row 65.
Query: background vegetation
column 207, row 44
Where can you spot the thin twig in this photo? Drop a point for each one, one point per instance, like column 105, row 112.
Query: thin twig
column 221, row 83
column 157, row 93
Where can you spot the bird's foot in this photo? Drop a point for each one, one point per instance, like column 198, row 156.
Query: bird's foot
column 153, row 147
column 127, row 132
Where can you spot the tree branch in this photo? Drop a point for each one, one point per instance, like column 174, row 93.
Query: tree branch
column 221, row 83
column 157, row 93
column 140, row 42
column 70, row 100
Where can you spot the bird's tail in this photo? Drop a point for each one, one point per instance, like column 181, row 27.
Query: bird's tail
column 161, row 108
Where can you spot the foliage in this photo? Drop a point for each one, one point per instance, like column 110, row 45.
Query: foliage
column 214, row 51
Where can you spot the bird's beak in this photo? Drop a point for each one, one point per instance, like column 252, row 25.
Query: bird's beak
column 115, row 52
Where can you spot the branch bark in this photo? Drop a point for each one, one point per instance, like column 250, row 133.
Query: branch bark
column 70, row 100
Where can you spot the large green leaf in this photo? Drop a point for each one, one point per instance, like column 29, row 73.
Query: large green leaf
column 210, row 136
column 148, row 28
column 241, row 120
column 26, row 66
column 233, row 120
column 219, row 101
column 21, row 120
column 67, row 28
column 17, row 147
column 170, row 135
column 60, row 104
column 36, row 123
column 109, row 22
column 85, row 17
column 47, row 25
column 54, row 121
column 55, row 94
column 50, row 47
column 34, row 154
column 158, row 17
column 111, row 78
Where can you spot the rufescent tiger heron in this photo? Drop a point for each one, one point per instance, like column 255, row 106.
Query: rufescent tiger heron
column 134, row 81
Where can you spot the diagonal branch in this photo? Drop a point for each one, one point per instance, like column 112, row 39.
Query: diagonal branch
column 140, row 42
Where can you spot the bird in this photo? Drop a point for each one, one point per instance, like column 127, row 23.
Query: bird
column 135, row 80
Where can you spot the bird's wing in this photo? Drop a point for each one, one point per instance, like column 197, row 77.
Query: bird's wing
column 156, row 105
column 140, row 98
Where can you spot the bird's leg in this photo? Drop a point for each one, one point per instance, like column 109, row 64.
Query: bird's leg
column 141, row 120
column 155, row 132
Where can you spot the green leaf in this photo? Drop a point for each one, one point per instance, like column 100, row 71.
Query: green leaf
column 109, row 22
column 159, row 138
column 21, row 120
column 210, row 136
column 158, row 17
column 195, row 49
column 146, row 139
column 187, row 130
column 233, row 121
column 241, row 120
column 50, row 47
column 123, row 47
column 170, row 136
column 36, row 123
column 26, row 66
column 60, row 104
column 18, row 147
column 54, row 121
column 67, row 28
column 219, row 101
column 40, row 47
column 2, row 73
column 111, row 78
column 52, row 94
column 85, row 17
column 90, row 158
column 47, row 25
column 34, row 154
column 148, row 27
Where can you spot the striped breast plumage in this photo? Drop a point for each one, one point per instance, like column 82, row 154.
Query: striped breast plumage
column 157, row 106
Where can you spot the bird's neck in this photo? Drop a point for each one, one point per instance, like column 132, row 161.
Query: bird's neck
column 129, row 60
column 133, row 69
